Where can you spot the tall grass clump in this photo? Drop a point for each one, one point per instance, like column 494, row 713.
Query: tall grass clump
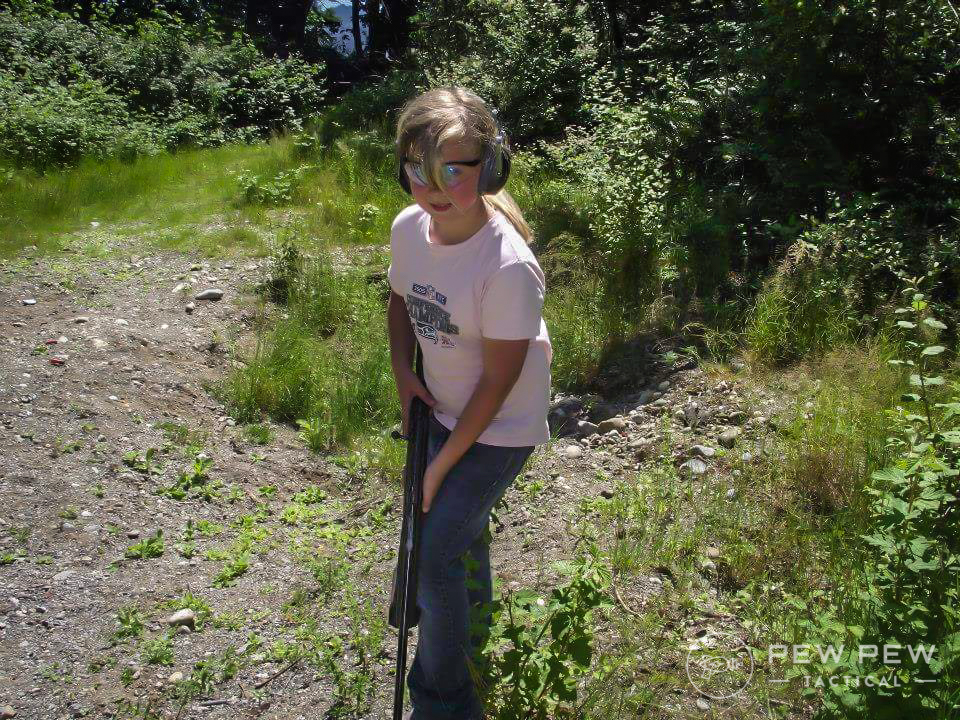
column 793, row 316
column 584, row 326
column 354, row 196
column 325, row 366
column 836, row 435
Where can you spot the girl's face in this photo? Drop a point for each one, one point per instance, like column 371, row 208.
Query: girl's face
column 459, row 196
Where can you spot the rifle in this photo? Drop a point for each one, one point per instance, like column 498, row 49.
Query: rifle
column 404, row 613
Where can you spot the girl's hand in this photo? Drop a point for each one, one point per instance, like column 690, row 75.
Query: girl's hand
column 433, row 477
column 408, row 386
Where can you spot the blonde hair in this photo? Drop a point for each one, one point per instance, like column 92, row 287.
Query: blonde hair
column 453, row 113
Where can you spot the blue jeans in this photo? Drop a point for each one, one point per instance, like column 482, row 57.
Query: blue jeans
column 441, row 687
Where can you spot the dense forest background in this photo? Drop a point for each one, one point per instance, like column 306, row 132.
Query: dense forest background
column 770, row 184
column 708, row 137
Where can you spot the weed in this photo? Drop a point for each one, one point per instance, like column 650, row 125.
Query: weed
column 194, row 482
column 236, row 566
column 130, row 623
column 145, row 464
column 151, row 547
column 258, row 433
column 159, row 650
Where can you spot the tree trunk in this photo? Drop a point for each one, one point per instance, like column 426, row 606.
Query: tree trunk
column 357, row 37
column 397, row 26
column 376, row 39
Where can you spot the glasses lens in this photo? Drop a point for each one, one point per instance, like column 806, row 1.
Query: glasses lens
column 452, row 175
column 415, row 173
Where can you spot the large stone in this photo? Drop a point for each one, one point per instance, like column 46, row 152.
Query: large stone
column 601, row 411
column 585, row 429
column 573, row 452
column 563, row 415
column 693, row 466
column 209, row 294
column 646, row 396
column 614, row 423
column 728, row 438
column 736, row 417
column 186, row 617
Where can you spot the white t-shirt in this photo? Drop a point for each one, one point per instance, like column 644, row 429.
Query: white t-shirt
column 490, row 285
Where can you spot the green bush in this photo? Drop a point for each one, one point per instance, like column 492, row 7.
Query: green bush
column 69, row 90
column 366, row 107
column 530, row 59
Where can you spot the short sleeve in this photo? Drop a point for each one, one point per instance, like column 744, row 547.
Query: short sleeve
column 392, row 269
column 512, row 302
column 392, row 278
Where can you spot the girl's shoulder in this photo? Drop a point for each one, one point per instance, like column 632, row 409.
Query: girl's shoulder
column 406, row 217
column 512, row 248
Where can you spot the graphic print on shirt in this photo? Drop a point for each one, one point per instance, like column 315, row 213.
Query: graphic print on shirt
column 430, row 320
column 431, row 292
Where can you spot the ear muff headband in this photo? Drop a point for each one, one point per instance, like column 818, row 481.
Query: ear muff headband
column 494, row 170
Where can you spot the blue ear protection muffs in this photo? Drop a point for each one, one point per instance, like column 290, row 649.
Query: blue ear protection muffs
column 494, row 170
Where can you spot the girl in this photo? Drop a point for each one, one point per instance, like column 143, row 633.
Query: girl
column 468, row 288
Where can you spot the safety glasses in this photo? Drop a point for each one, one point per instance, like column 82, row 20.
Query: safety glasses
column 452, row 173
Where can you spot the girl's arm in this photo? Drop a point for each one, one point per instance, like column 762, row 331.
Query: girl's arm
column 401, row 358
column 400, row 332
column 502, row 363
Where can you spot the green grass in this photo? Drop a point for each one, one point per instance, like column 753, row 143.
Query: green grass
column 169, row 194
column 193, row 201
column 325, row 363
column 789, row 322
column 583, row 326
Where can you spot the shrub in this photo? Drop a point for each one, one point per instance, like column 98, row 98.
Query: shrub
column 531, row 59
column 69, row 90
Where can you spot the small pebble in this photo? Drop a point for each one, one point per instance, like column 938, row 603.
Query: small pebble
column 29, row 301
